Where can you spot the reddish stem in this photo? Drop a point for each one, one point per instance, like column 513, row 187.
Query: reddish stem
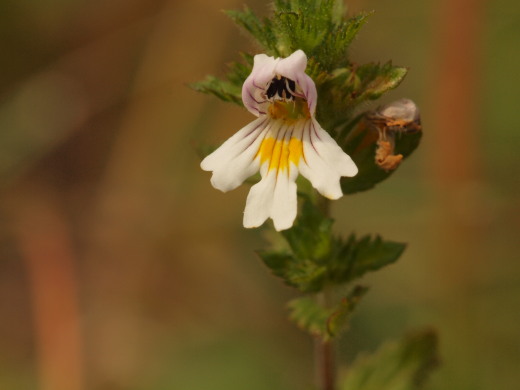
column 325, row 364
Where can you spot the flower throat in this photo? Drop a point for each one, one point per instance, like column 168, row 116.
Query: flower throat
column 285, row 101
column 281, row 88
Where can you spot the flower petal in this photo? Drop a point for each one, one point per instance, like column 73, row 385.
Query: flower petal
column 262, row 73
column 235, row 160
column 259, row 201
column 265, row 68
column 284, row 206
column 293, row 67
column 275, row 195
column 331, row 153
column 322, row 176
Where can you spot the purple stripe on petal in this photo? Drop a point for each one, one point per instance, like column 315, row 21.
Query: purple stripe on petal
column 315, row 131
column 254, row 139
column 253, row 98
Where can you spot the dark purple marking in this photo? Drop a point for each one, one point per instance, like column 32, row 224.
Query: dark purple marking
column 253, row 98
column 256, row 86
column 316, row 132
column 310, row 139
column 254, row 139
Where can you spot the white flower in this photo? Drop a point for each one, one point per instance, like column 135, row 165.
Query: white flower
column 283, row 141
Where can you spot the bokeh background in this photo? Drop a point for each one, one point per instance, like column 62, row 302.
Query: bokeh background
column 122, row 268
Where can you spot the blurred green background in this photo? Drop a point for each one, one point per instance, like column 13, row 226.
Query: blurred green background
column 122, row 268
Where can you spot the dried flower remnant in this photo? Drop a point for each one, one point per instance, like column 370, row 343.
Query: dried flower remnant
column 385, row 157
column 401, row 116
column 282, row 142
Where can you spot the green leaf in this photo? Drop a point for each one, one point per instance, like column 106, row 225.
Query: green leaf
column 309, row 241
column 309, row 316
column 224, row 90
column 305, row 275
column 315, row 257
column 344, row 88
column 376, row 79
column 260, row 29
column 310, row 237
column 369, row 173
column 317, row 320
column 229, row 90
column 277, row 262
column 319, row 28
column 396, row 366
column 353, row 258
column 338, row 319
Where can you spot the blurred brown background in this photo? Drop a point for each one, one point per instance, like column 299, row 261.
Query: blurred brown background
column 122, row 268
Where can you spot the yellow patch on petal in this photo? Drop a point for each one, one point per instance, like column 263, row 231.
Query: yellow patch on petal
column 295, row 150
column 279, row 153
column 266, row 149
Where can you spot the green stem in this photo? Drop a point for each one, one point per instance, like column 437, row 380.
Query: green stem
column 324, row 205
column 324, row 353
column 324, row 349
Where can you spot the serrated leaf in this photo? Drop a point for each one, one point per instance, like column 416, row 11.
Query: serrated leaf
column 303, row 265
column 309, row 315
column 260, row 29
column 319, row 321
column 224, row 90
column 344, row 88
column 229, row 90
column 319, row 28
column 396, row 366
column 376, row 79
column 373, row 254
column 350, row 85
column 277, row 262
column 339, row 317
column 305, row 275
column 355, row 257
column 310, row 237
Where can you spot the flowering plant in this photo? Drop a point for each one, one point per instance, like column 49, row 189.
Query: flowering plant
column 306, row 44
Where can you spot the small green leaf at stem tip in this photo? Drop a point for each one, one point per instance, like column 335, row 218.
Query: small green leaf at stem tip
column 403, row 365
column 320, row 28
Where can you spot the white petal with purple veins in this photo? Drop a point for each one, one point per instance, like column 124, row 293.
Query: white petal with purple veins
column 234, row 161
